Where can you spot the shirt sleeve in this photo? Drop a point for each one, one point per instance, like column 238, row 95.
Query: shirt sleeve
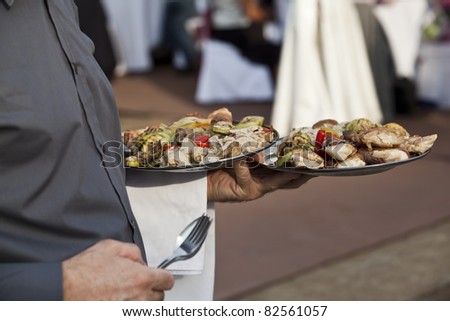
column 31, row 282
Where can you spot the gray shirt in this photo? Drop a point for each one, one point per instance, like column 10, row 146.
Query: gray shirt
column 57, row 111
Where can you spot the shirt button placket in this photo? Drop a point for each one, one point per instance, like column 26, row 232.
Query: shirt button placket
column 74, row 68
column 8, row 3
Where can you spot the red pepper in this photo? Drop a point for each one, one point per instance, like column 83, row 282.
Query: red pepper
column 320, row 138
column 167, row 146
column 202, row 141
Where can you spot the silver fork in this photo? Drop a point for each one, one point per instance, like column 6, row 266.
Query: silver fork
column 188, row 246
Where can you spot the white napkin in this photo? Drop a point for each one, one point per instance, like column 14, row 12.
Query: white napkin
column 164, row 204
column 198, row 287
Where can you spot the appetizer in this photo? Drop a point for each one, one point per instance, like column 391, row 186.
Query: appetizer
column 360, row 142
column 196, row 140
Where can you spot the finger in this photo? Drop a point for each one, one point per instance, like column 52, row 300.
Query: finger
column 247, row 188
column 163, row 280
column 296, row 183
column 242, row 172
column 279, row 180
column 258, row 158
column 157, row 296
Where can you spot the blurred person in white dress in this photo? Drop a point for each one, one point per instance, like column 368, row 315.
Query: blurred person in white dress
column 324, row 69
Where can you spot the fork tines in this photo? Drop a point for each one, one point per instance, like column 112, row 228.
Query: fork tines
column 198, row 233
column 192, row 244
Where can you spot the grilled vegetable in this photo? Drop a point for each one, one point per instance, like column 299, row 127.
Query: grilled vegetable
column 190, row 122
column 300, row 158
column 250, row 121
column 360, row 124
column 222, row 127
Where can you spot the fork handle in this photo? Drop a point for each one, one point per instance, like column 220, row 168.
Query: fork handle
column 168, row 261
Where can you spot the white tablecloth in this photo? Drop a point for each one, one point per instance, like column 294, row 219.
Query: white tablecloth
column 164, row 203
column 226, row 76
column 433, row 75
column 135, row 27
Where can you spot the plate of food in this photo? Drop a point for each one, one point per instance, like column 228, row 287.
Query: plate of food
column 196, row 143
column 354, row 148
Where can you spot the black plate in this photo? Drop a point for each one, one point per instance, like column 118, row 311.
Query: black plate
column 348, row 171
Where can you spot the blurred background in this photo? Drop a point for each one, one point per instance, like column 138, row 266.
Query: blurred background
column 377, row 237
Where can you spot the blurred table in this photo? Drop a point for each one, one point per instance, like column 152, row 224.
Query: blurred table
column 433, row 74
column 136, row 28
column 402, row 22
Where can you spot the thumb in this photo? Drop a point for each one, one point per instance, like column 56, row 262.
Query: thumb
column 243, row 175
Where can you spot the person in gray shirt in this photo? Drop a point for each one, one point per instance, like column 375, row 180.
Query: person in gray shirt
column 67, row 230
